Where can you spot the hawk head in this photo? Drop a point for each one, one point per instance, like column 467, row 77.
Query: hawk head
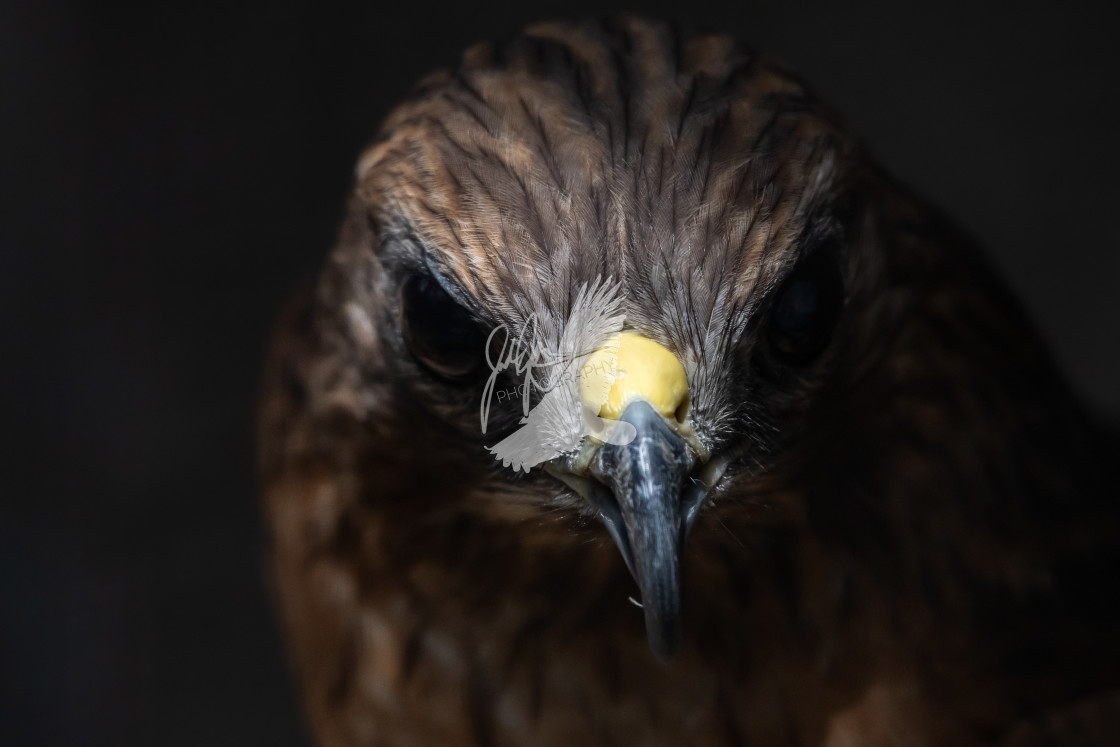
column 722, row 202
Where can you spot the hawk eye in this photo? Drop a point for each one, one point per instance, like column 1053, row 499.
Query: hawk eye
column 806, row 309
column 446, row 338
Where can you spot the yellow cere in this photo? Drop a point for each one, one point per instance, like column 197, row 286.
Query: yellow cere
column 634, row 367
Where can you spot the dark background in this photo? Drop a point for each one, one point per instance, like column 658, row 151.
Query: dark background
column 167, row 175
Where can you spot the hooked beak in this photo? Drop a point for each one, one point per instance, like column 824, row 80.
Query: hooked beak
column 641, row 507
column 644, row 487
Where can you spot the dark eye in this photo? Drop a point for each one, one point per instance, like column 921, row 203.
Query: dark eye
column 806, row 309
column 443, row 336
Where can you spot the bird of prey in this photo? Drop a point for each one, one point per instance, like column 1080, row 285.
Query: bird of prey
column 860, row 505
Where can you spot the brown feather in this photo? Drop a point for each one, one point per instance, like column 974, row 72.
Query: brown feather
column 911, row 547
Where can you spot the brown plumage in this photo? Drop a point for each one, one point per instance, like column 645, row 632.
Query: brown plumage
column 911, row 543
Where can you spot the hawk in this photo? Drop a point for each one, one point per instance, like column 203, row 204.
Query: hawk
column 855, row 502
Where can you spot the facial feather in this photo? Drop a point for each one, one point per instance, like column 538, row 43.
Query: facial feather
column 556, row 159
